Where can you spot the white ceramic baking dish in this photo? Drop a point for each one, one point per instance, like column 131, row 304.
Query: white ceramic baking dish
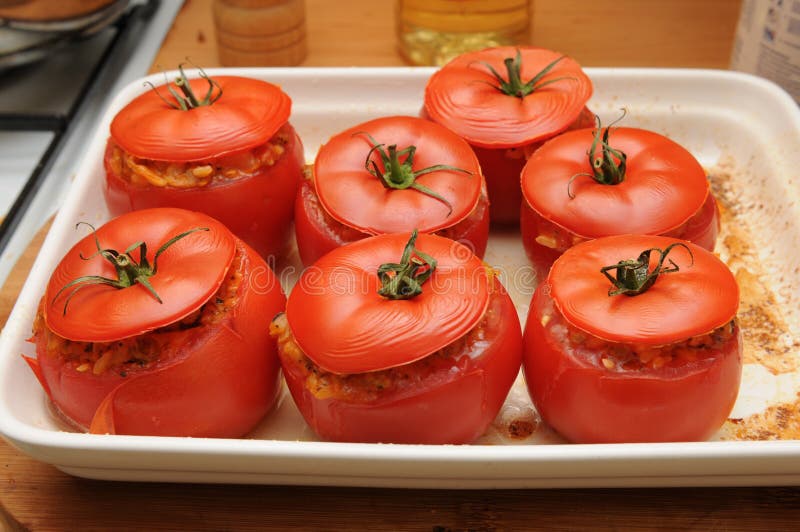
column 744, row 129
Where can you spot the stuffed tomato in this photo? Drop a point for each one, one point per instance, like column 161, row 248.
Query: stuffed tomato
column 156, row 324
column 401, row 339
column 634, row 339
column 600, row 182
column 505, row 102
column 232, row 155
column 388, row 175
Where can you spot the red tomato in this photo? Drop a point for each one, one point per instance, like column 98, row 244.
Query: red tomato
column 505, row 101
column 352, row 194
column 663, row 191
column 236, row 159
column 663, row 365
column 199, row 362
column 434, row 368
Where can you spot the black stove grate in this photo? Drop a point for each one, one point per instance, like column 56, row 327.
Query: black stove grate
column 104, row 48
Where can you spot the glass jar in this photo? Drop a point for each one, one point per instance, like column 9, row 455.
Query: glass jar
column 431, row 32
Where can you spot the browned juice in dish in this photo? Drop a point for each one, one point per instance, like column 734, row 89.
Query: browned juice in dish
column 431, row 32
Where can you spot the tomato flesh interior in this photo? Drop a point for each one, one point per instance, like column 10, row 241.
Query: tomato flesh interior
column 588, row 349
column 434, row 369
column 147, row 172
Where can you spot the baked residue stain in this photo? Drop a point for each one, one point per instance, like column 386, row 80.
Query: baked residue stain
column 777, row 422
column 762, row 326
column 518, row 422
column 521, row 428
column 764, row 329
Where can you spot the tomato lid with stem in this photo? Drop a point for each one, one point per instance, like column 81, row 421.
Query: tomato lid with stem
column 213, row 117
column 693, row 294
column 656, row 186
column 140, row 271
column 507, row 96
column 395, row 174
column 386, row 300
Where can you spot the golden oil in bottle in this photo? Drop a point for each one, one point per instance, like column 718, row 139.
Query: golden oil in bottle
column 431, row 32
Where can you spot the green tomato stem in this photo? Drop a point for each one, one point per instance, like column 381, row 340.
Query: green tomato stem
column 399, row 174
column 633, row 276
column 610, row 166
column 404, row 280
column 512, row 84
column 188, row 100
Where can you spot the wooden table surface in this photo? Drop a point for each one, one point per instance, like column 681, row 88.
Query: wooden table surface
column 679, row 33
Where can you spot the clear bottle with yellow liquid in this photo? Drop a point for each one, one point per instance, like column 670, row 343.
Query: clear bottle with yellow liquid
column 431, row 32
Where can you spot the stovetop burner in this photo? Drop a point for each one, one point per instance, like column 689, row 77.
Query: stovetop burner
column 49, row 108
column 43, row 93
